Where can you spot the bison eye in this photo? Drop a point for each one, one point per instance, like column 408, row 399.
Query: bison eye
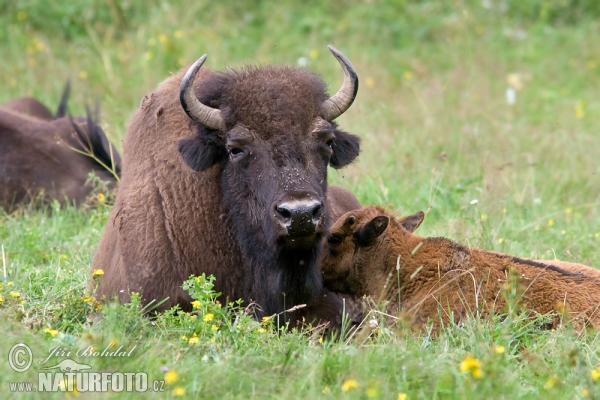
column 329, row 142
column 336, row 239
column 235, row 152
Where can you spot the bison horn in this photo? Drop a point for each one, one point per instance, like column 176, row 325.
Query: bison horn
column 205, row 115
column 337, row 104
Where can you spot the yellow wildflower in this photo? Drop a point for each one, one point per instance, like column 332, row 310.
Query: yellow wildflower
column 504, row 210
column 371, row 392
column 326, row 390
column 402, row 396
column 214, row 327
column 149, row 55
column 500, row 349
column 500, row 240
column 597, row 234
column 313, row 54
column 213, row 340
column 370, row 82
column 179, row 391
column 9, row 283
column 472, row 365
column 208, row 317
column 595, row 373
column 1, row 299
column 171, row 377
column 199, row 279
column 114, row 342
column 193, row 317
column 15, row 294
column 580, row 109
column 568, row 211
column 408, row 75
column 87, row 299
column 196, row 304
column 184, row 337
column 52, row 332
column 550, row 383
column 21, row 16
column 550, row 222
column 162, row 38
column 483, row 217
column 178, row 34
column 585, row 393
column 261, row 330
column 101, row 197
column 349, row 385
column 193, row 340
column 97, row 272
column 321, row 339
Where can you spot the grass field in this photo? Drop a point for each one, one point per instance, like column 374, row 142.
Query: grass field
column 438, row 135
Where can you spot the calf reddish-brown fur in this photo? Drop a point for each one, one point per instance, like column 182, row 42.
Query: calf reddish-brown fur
column 438, row 277
column 37, row 157
column 196, row 200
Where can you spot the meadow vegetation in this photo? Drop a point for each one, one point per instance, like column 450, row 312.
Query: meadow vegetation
column 439, row 135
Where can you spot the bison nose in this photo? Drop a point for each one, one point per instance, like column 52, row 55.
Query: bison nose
column 299, row 217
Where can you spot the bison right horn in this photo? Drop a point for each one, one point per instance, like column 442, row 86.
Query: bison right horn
column 337, row 104
column 205, row 115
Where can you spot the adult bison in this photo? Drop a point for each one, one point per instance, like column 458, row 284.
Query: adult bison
column 41, row 154
column 226, row 173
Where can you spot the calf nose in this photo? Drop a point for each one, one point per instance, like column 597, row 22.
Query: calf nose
column 299, row 216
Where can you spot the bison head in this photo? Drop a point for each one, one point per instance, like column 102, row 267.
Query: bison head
column 271, row 131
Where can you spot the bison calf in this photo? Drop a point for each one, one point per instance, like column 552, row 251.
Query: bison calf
column 372, row 253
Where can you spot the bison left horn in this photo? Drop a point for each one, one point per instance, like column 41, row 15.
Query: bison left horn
column 337, row 104
column 205, row 115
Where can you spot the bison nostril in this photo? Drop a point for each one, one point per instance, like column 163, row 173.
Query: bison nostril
column 284, row 214
column 317, row 212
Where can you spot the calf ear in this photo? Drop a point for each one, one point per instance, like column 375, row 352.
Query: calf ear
column 412, row 222
column 201, row 152
column 345, row 149
column 366, row 235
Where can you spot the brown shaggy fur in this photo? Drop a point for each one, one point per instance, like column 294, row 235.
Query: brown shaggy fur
column 171, row 218
column 37, row 159
column 28, row 106
column 439, row 278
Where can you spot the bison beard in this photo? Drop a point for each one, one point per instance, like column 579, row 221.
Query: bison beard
column 236, row 189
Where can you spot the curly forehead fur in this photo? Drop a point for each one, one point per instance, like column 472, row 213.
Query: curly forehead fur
column 268, row 100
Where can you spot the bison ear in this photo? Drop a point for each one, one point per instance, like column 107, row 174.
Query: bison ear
column 366, row 235
column 201, row 152
column 412, row 222
column 345, row 149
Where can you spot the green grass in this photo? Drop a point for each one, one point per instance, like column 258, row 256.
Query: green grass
column 437, row 134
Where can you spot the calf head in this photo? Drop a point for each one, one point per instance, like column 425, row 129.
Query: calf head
column 270, row 130
column 360, row 246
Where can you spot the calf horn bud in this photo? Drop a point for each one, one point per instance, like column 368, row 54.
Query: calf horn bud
column 205, row 115
column 337, row 104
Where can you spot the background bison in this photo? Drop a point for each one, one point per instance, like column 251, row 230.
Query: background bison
column 228, row 176
column 373, row 253
column 46, row 157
